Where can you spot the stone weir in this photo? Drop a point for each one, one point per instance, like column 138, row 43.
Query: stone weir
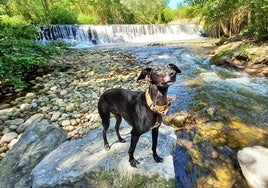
column 89, row 35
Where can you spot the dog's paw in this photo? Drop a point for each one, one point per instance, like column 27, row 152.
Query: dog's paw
column 134, row 163
column 107, row 147
column 158, row 159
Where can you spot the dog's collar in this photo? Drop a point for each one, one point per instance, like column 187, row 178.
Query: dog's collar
column 162, row 110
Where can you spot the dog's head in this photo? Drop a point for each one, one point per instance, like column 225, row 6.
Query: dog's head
column 162, row 76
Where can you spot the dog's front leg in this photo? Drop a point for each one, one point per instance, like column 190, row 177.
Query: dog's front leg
column 134, row 140
column 155, row 137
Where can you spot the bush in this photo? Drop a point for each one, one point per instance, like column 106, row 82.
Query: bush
column 62, row 15
column 19, row 54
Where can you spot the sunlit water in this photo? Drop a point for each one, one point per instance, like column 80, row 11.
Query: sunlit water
column 238, row 93
column 237, row 99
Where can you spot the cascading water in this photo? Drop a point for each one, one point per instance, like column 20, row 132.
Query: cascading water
column 89, row 35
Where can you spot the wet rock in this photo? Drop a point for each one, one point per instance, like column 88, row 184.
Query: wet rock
column 254, row 164
column 37, row 141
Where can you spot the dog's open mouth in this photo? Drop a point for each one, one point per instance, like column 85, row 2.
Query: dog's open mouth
column 170, row 82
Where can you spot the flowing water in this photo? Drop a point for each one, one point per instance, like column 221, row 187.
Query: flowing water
column 91, row 35
column 234, row 103
column 229, row 108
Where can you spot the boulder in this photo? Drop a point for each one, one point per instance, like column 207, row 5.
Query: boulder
column 254, row 164
column 74, row 161
column 39, row 139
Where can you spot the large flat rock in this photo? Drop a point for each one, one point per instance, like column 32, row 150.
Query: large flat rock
column 73, row 160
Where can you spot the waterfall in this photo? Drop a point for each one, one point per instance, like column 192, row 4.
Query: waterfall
column 89, row 35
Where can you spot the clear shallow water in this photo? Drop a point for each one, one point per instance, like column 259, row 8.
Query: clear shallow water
column 239, row 94
column 206, row 154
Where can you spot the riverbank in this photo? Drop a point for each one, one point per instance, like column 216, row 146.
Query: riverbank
column 242, row 55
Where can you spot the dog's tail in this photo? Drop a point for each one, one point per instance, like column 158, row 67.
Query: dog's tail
column 104, row 112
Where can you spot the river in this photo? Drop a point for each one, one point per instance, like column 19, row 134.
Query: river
column 228, row 108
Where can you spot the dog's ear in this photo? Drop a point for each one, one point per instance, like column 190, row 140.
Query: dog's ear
column 144, row 73
column 174, row 67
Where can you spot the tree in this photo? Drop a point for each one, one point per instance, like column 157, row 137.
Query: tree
column 228, row 17
column 146, row 11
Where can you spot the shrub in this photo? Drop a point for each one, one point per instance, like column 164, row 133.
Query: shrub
column 19, row 53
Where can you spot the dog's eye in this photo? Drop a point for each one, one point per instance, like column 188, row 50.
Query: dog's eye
column 172, row 73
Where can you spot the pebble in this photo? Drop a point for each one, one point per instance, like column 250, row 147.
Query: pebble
column 24, row 107
column 65, row 123
column 7, row 112
column 69, row 128
column 34, row 104
column 14, row 122
column 4, row 106
column 63, row 92
column 56, row 115
column 4, row 117
column 30, row 95
column 8, row 137
column 74, row 122
column 13, row 127
column 3, row 148
column 70, row 107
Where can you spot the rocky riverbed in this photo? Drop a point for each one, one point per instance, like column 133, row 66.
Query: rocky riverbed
column 68, row 98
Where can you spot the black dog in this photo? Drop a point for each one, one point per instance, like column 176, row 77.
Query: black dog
column 142, row 110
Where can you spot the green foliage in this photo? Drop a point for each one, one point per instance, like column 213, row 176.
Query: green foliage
column 147, row 11
column 231, row 17
column 19, row 54
column 14, row 20
column 62, row 15
column 185, row 11
column 87, row 19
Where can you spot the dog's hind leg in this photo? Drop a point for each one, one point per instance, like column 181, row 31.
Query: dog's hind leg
column 105, row 124
column 134, row 139
column 117, row 124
